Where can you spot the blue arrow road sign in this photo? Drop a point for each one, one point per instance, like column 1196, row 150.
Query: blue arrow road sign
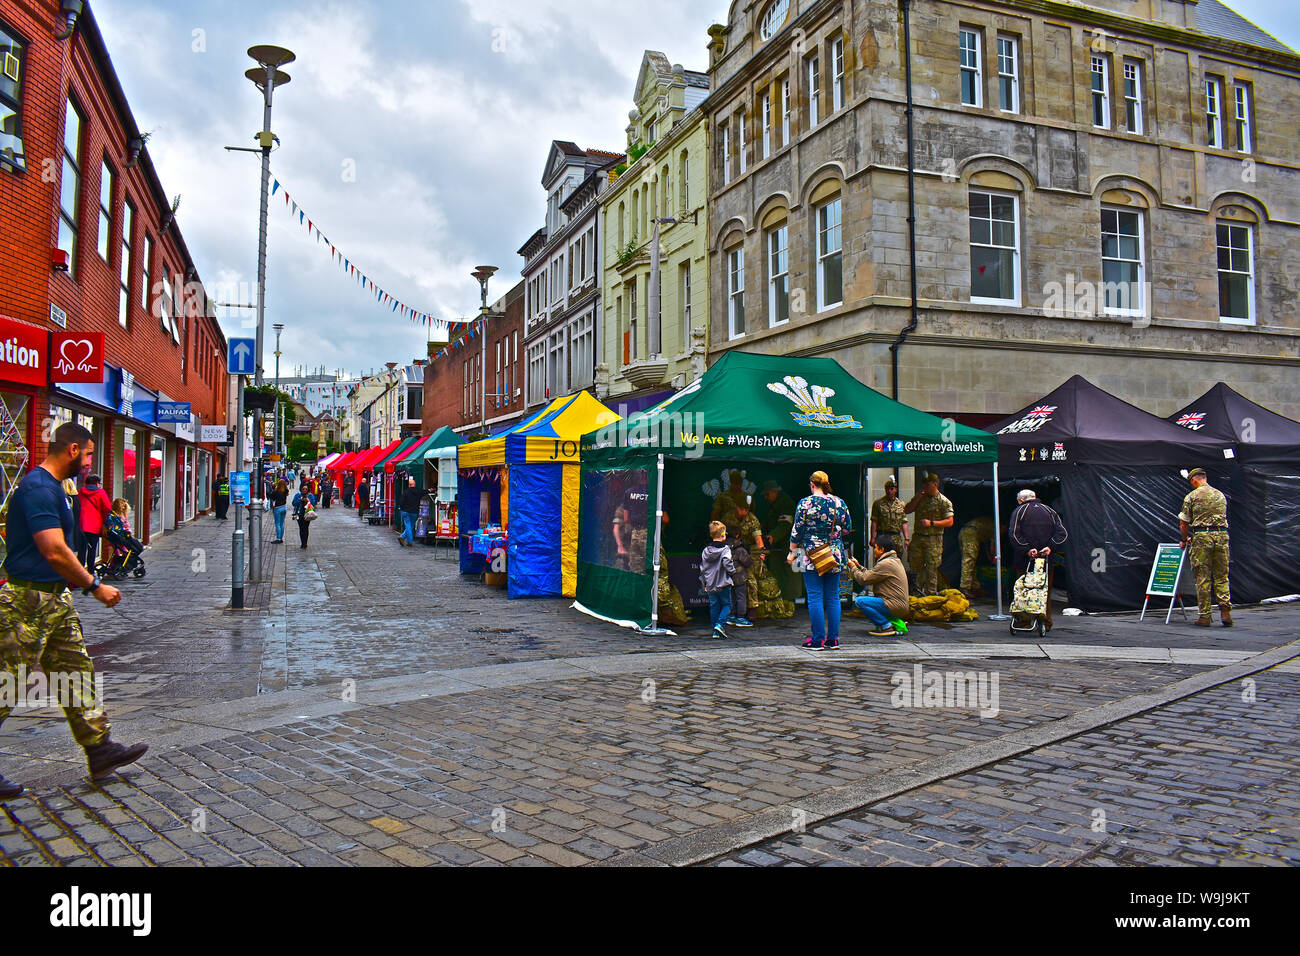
column 241, row 359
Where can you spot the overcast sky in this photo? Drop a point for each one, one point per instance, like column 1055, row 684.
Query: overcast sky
column 414, row 132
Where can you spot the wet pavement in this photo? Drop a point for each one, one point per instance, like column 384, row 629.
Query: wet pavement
column 380, row 709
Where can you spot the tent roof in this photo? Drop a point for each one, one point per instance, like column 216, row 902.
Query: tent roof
column 551, row 435
column 376, row 454
column 1079, row 423
column 775, row 408
column 328, row 460
column 344, row 462
column 393, row 454
column 1225, row 414
column 442, row 438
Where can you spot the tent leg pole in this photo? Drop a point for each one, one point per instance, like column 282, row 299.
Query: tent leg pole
column 997, row 537
column 654, row 627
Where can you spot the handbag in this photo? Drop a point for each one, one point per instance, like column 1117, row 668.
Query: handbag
column 310, row 514
column 822, row 559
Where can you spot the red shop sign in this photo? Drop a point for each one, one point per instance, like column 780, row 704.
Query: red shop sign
column 22, row 352
column 77, row 357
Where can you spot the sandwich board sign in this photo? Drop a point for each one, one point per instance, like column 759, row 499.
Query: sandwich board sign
column 1167, row 578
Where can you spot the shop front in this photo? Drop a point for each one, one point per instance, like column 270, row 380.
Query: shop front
column 23, row 372
column 126, row 455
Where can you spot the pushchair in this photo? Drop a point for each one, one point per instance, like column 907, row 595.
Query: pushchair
column 1029, row 600
column 126, row 555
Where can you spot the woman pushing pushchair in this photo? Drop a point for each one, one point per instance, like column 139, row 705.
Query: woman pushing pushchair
column 126, row 548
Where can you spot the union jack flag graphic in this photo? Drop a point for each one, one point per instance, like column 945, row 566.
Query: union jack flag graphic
column 1042, row 411
column 1190, row 421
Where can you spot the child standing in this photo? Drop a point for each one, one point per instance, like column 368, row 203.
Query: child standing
column 716, row 571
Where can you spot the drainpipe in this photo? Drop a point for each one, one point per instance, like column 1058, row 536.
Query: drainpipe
column 911, row 195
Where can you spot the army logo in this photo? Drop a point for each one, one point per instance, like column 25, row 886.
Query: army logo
column 1035, row 419
column 1194, row 421
column 813, row 402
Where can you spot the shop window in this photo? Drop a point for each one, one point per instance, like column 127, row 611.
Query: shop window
column 13, row 55
column 70, row 186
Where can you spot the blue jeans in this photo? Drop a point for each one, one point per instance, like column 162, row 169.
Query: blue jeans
column 823, row 591
column 874, row 610
column 279, row 522
column 719, row 606
column 408, row 530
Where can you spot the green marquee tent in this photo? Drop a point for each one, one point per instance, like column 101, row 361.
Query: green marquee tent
column 767, row 414
column 418, row 456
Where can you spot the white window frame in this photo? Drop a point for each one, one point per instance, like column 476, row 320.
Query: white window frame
column 1214, row 111
column 813, row 74
column 1241, row 106
column 735, row 292
column 1009, row 72
column 685, row 178
column 103, row 240
column 1015, row 250
column 1133, row 116
column 765, row 112
column 536, row 382
column 776, row 249
column 632, row 319
column 1249, row 274
column 73, row 168
column 124, row 267
column 724, row 137
column 785, row 112
column 837, row 74
column 969, row 56
column 684, row 297
column 1141, row 263
column 582, row 351
column 1100, row 97
column 823, row 254
column 741, row 131
column 146, row 272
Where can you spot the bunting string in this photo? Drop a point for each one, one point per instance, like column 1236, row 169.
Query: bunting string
column 382, row 296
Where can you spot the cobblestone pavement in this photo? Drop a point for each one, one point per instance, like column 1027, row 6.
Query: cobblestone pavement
column 475, row 730
column 1208, row 780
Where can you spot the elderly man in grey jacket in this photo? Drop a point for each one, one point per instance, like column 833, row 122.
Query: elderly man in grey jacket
column 1034, row 530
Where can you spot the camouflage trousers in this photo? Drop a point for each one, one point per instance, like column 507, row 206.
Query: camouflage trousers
column 1209, row 555
column 672, row 612
column 970, row 553
column 927, row 555
column 42, row 630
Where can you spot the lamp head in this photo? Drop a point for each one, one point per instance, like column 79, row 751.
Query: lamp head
column 258, row 78
column 271, row 56
column 483, row 273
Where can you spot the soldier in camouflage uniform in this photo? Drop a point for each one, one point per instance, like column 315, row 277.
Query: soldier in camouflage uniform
column 889, row 520
column 975, row 533
column 775, row 513
column 1204, row 524
column 39, row 627
column 763, row 598
column 934, row 513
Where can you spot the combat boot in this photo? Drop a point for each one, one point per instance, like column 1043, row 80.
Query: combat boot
column 1203, row 622
column 104, row 758
column 1225, row 615
column 9, row 789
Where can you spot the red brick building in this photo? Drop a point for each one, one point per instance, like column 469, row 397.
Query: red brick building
column 88, row 244
column 453, row 385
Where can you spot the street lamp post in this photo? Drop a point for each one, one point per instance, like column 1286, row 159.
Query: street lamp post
column 483, row 274
column 279, row 327
column 266, row 76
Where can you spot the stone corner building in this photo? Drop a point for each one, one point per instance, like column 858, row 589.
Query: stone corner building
column 1109, row 188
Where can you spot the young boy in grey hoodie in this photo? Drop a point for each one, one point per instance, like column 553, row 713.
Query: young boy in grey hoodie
column 716, row 571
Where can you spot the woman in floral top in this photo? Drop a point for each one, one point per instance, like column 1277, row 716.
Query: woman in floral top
column 819, row 519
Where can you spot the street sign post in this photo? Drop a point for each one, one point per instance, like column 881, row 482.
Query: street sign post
column 241, row 358
column 239, row 487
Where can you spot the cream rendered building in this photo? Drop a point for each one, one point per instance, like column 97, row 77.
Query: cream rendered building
column 643, row 356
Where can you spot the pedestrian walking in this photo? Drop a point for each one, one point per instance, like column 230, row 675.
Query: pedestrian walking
column 1204, row 525
column 223, row 496
column 409, row 505
column 95, row 508
column 304, row 514
column 888, row 608
column 820, row 522
column 326, row 490
column 349, row 487
column 363, row 496
column 889, row 520
column 39, row 626
column 717, row 568
column 279, row 502
column 1034, row 529
column 934, row 514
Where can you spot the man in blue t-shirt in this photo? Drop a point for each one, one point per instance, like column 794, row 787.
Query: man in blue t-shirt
column 39, row 626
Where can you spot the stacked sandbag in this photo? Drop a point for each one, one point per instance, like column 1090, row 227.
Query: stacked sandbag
column 945, row 607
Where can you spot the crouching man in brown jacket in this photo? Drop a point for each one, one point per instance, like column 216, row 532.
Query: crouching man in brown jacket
column 890, row 606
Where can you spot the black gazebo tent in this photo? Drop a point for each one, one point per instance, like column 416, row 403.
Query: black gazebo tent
column 1263, row 486
column 1120, row 487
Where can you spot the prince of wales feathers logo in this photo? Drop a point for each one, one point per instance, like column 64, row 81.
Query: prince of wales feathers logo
column 813, row 402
